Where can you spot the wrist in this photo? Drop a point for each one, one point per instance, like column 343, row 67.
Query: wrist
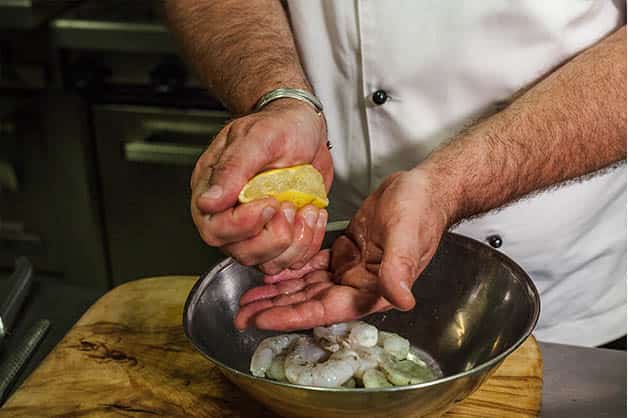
column 445, row 191
column 303, row 109
column 287, row 103
column 245, row 99
column 301, row 95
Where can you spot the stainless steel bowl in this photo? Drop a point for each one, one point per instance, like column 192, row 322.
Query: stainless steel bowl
column 474, row 307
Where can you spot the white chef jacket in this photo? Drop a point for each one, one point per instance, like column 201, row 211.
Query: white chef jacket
column 442, row 63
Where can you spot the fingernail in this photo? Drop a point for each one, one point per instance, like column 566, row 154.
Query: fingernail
column 214, row 192
column 289, row 213
column 310, row 218
column 322, row 220
column 268, row 213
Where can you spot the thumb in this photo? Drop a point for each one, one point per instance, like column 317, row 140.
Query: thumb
column 400, row 264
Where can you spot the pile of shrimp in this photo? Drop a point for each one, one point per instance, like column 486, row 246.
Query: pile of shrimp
column 352, row 354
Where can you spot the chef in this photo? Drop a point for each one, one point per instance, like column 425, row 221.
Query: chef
column 501, row 120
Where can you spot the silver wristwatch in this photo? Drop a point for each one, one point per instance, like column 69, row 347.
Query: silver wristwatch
column 282, row 93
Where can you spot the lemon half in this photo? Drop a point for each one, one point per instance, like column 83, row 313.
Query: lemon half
column 302, row 185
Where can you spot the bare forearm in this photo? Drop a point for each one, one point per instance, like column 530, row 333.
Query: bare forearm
column 571, row 123
column 241, row 49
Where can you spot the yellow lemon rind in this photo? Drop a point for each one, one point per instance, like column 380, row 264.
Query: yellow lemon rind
column 258, row 187
column 298, row 198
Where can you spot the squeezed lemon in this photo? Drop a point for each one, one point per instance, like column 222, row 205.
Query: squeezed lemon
column 302, row 185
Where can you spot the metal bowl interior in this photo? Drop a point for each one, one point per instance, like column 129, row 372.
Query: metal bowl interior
column 474, row 307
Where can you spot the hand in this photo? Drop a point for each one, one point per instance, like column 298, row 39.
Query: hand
column 264, row 232
column 389, row 242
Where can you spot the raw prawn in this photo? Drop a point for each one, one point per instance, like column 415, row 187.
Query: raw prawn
column 331, row 337
column 394, row 344
column 362, row 334
column 361, row 359
column 373, row 378
column 267, row 350
column 345, row 335
column 302, row 366
column 406, row 372
column 342, row 355
column 277, row 370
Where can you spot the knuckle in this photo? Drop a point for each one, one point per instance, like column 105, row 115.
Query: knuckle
column 208, row 237
column 408, row 264
column 227, row 164
column 283, row 238
column 284, row 260
column 237, row 128
column 245, row 259
column 270, row 268
column 317, row 242
column 244, row 222
column 226, row 128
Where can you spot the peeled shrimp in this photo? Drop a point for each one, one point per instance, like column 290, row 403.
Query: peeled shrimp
column 342, row 355
column 360, row 359
column 362, row 335
column 373, row 378
column 406, row 372
column 302, row 366
column 394, row 344
column 277, row 369
column 370, row 358
column 267, row 350
column 345, row 335
column 331, row 337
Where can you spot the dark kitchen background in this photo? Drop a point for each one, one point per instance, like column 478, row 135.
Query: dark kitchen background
column 101, row 123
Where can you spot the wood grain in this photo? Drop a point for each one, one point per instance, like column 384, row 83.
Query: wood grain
column 127, row 356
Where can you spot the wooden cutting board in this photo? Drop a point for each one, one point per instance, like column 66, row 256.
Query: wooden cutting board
column 127, row 356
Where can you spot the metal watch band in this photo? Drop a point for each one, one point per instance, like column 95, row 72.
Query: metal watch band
column 282, row 93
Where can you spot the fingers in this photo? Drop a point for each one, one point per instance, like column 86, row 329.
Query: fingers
column 299, row 297
column 283, row 288
column 203, row 168
column 331, row 305
column 304, row 229
column 199, row 181
column 400, row 264
column 315, row 244
column 268, row 296
column 236, row 224
column 274, row 238
column 247, row 315
column 319, row 262
column 244, row 315
column 359, row 278
column 345, row 255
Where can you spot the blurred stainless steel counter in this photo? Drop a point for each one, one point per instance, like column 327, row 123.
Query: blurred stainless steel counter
column 583, row 382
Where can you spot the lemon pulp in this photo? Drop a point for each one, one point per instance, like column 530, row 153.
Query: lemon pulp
column 302, row 185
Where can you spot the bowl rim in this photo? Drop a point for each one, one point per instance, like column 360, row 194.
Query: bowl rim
column 205, row 279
